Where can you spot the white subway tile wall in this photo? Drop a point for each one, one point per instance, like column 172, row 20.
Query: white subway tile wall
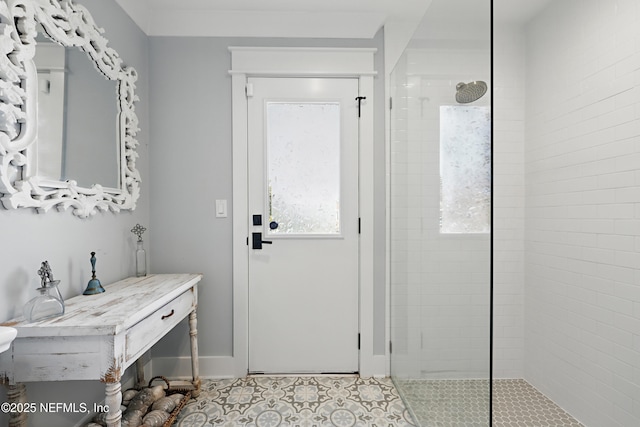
column 509, row 200
column 582, row 235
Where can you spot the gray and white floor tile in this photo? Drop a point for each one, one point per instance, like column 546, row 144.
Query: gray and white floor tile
column 369, row 402
column 297, row 402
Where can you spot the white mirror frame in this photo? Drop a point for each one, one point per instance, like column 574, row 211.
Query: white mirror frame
column 70, row 25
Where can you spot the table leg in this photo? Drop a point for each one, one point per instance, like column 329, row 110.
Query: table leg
column 17, row 394
column 113, row 399
column 195, row 370
column 140, row 372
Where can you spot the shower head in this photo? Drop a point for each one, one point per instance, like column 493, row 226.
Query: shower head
column 469, row 92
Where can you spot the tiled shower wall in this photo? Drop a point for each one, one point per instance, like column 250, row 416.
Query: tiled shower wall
column 439, row 283
column 509, row 199
column 582, row 159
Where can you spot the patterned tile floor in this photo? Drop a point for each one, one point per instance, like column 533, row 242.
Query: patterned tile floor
column 369, row 402
column 465, row 403
column 297, row 402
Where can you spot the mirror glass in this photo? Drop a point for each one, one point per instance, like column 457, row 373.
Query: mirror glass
column 77, row 119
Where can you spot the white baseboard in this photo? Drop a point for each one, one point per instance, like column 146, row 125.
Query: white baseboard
column 380, row 366
column 180, row 367
column 224, row 367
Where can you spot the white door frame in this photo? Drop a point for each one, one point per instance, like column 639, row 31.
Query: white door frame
column 300, row 62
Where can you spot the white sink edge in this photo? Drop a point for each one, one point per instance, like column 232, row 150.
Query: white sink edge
column 7, row 335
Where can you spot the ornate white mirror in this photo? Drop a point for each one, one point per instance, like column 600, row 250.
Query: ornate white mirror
column 44, row 78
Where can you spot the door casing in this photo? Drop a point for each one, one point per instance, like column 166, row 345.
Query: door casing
column 302, row 62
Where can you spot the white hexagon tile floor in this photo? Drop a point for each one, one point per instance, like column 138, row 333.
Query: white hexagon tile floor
column 465, row 403
column 517, row 403
column 296, row 402
column 369, row 402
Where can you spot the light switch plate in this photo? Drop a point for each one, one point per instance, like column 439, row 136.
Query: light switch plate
column 221, row 208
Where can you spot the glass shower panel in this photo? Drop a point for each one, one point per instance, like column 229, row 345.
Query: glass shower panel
column 440, row 191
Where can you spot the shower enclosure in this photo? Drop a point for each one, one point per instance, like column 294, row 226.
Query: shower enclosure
column 440, row 214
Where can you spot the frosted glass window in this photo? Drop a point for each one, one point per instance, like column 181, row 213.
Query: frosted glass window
column 303, row 167
column 465, row 169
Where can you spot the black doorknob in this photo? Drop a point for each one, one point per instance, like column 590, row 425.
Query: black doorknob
column 257, row 242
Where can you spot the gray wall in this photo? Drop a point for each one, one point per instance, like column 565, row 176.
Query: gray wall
column 65, row 241
column 191, row 168
column 185, row 109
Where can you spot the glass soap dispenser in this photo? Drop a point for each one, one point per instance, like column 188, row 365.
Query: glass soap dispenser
column 141, row 254
column 50, row 302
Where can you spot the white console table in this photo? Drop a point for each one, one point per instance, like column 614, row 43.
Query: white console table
column 100, row 336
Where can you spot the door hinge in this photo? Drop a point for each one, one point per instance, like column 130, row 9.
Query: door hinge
column 359, row 99
column 248, row 90
column 390, row 103
column 390, row 347
column 359, row 226
column 358, row 341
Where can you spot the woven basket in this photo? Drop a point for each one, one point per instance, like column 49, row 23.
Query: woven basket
column 169, row 391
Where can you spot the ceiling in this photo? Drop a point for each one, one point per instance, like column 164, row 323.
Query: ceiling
column 310, row 18
column 517, row 11
column 271, row 18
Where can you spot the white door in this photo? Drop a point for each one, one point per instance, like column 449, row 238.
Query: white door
column 303, row 202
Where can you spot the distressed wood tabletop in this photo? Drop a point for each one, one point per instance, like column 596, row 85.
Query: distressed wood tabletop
column 95, row 314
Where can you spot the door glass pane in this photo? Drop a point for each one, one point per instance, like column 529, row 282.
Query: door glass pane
column 303, row 167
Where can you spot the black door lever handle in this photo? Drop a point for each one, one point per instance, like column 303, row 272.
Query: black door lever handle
column 257, row 241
